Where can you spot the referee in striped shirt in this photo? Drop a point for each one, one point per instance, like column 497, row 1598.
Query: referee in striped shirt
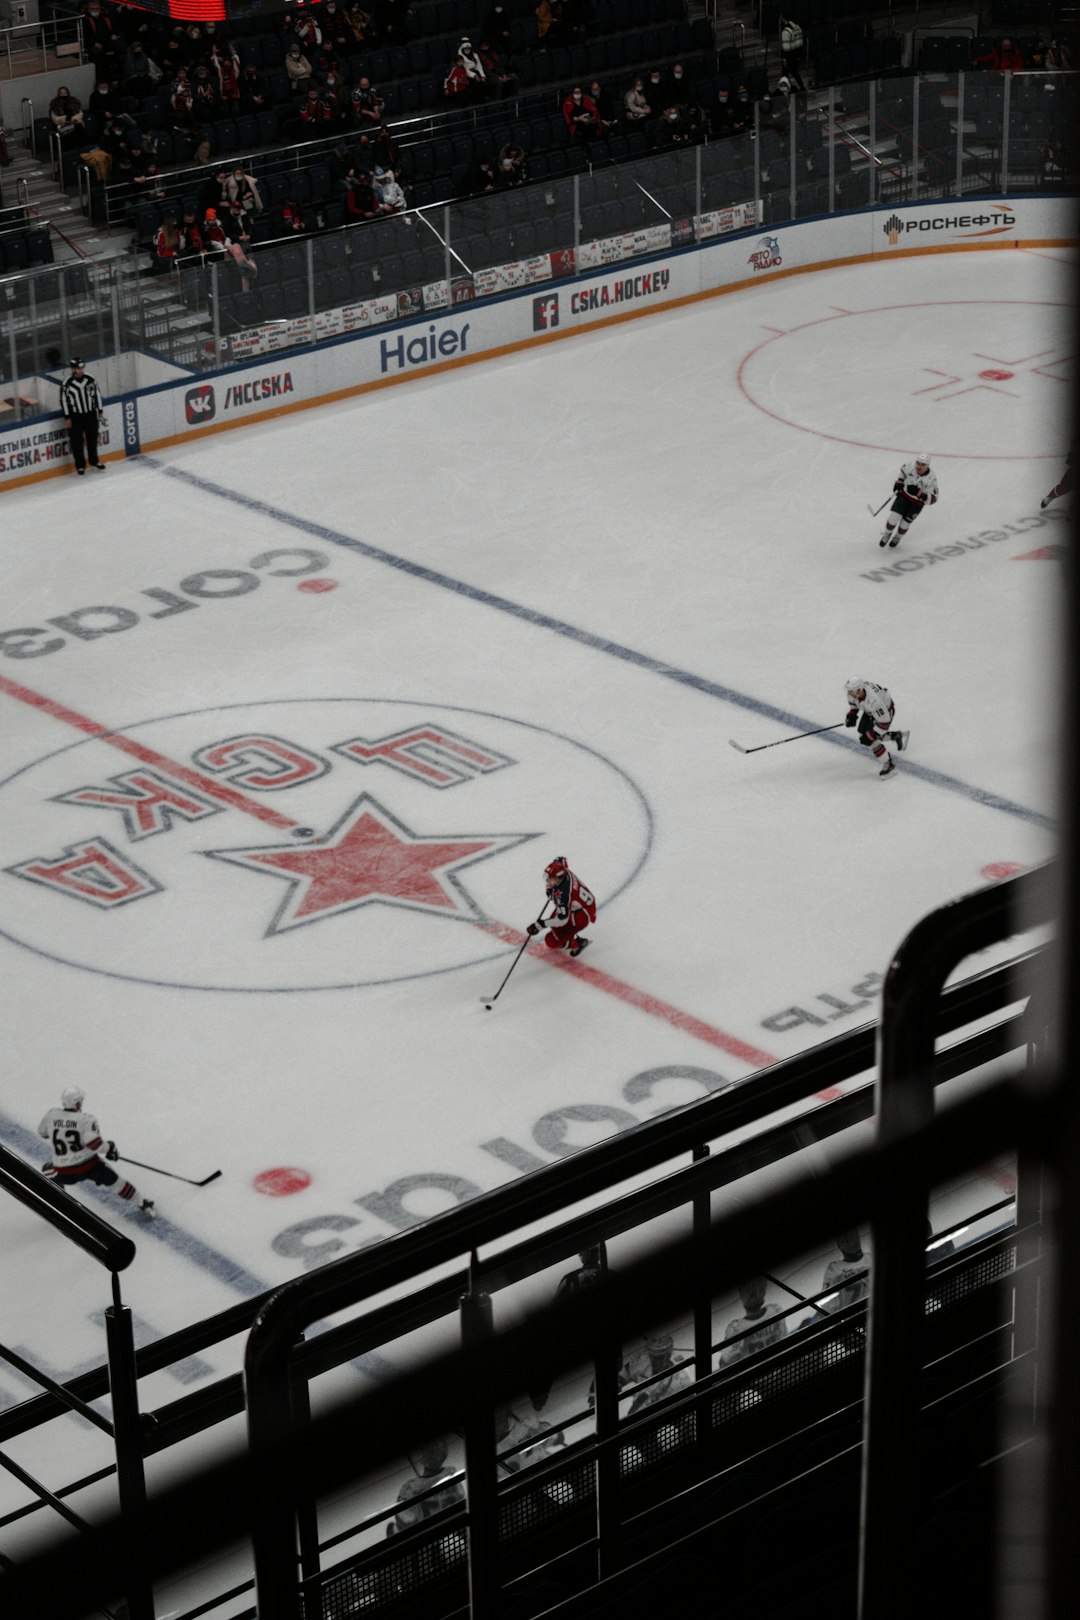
column 83, row 408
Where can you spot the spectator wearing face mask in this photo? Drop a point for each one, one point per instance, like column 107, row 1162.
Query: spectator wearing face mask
column 467, row 79
column 298, row 68
column 581, row 116
column 636, row 104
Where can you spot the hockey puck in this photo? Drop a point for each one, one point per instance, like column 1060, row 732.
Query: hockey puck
column 303, row 832
column 487, row 1006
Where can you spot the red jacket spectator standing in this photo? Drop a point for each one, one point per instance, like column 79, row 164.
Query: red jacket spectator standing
column 581, row 114
column 226, row 65
column 1006, row 57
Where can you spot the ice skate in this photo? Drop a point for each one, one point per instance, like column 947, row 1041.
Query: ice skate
column 888, row 767
column 900, row 739
column 894, row 539
column 147, row 1208
column 578, row 946
column 884, row 539
column 1045, row 502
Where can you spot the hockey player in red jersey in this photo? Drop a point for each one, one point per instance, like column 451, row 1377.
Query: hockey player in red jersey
column 1064, row 484
column 575, row 907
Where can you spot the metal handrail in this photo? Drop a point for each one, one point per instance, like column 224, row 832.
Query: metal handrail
column 40, row 34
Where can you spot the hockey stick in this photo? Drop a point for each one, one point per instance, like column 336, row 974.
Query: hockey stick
column 881, row 508
column 489, row 1001
column 159, row 1172
column 838, row 727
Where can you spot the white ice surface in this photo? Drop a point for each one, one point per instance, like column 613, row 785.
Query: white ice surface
column 687, row 496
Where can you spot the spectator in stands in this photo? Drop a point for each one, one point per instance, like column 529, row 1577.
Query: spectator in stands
column 359, row 194
column 338, row 98
column 360, row 24
column 215, row 192
column 679, row 86
column 104, row 102
column 198, row 44
column 99, row 35
column 336, row 30
column 655, row 92
column 591, row 1271
column 243, row 188
column 145, row 174
column 141, row 74
column 367, row 104
column 697, row 123
column 1006, row 57
column 495, row 28
column 485, row 176
column 388, row 194
column 225, row 63
column 792, row 49
column 466, row 80
column 602, row 97
column 1054, row 163
column 237, row 223
column 636, row 104
column 182, row 100
column 1059, row 57
column 292, row 220
column 315, row 114
column 298, row 68
column 500, row 75
column 175, row 54
column 759, row 1326
column 581, row 116
column 721, row 118
column 166, row 246
column 741, row 111
column 204, row 92
column 849, row 1274
column 672, row 130
column 305, row 29
column 551, row 24
column 253, row 97
column 512, row 165
column 190, row 237
column 429, row 1470
column 66, row 113
column 656, row 1357
column 213, row 234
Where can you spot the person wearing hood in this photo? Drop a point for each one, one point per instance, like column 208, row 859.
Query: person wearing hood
column 388, row 194
column 298, row 68
column 467, row 79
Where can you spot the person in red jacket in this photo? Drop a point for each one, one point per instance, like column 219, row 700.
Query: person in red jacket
column 575, row 907
column 1006, row 57
column 582, row 116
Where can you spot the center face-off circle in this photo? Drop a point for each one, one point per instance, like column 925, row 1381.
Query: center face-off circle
column 962, row 379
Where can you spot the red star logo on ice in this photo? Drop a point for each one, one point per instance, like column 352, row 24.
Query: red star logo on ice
column 371, row 857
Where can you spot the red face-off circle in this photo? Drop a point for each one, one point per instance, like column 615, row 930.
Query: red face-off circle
column 1000, row 869
column 281, row 1182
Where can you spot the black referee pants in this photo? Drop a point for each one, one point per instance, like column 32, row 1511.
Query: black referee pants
column 83, row 437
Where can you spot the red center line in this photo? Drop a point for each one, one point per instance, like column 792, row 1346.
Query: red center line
column 653, row 1005
column 645, row 1002
column 148, row 756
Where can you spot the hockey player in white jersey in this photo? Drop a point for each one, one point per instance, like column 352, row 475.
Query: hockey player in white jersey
column 872, row 709
column 79, row 1150
column 915, row 488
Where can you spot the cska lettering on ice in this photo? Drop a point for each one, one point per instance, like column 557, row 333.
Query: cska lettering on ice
column 623, row 291
column 259, row 388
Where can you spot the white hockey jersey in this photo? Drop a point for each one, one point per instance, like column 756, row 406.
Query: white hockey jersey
column 877, row 703
column 920, row 486
column 74, row 1137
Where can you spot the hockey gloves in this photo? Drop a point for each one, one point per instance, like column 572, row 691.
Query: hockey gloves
column 111, row 1151
column 533, row 928
column 851, row 717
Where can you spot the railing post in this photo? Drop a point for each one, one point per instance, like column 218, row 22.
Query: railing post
column 215, row 306
column 608, row 1461
column 913, row 188
column 872, row 142
column 1006, row 108
column 306, row 1514
column 481, row 1484
column 831, row 126
column 127, row 1431
column 958, row 187
column 793, row 139
column 703, row 1298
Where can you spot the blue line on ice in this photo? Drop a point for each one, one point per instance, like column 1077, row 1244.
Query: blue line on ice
column 585, row 638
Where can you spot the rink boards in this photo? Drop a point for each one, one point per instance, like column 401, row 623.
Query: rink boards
column 294, row 379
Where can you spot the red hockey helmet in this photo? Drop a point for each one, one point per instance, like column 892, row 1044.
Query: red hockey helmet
column 555, row 871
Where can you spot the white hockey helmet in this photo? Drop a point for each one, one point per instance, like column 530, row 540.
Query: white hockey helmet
column 73, row 1098
column 856, row 688
column 922, row 460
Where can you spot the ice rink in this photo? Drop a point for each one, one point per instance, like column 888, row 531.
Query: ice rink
column 294, row 717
